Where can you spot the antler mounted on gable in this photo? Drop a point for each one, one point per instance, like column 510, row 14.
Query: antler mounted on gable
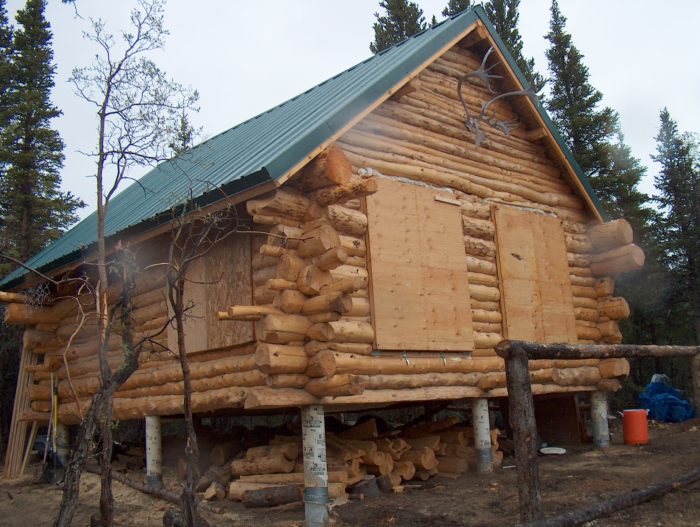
column 473, row 122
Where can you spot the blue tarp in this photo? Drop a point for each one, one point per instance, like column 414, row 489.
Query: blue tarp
column 664, row 402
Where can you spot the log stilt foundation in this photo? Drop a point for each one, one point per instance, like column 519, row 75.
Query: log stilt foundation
column 313, row 431
column 154, row 453
column 482, row 435
column 599, row 419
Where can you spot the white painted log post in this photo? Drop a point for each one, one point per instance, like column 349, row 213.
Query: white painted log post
column 482, row 435
column 63, row 443
column 154, row 453
column 599, row 419
column 313, row 431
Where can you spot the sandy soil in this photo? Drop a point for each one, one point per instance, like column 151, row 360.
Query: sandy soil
column 582, row 476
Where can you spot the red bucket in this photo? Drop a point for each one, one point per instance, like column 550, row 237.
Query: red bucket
column 634, row 427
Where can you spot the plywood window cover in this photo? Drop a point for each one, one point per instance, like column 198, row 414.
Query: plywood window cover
column 537, row 300
column 419, row 274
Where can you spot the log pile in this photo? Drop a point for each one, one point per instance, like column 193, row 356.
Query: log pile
column 273, row 473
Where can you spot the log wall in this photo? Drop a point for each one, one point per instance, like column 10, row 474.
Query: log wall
column 301, row 329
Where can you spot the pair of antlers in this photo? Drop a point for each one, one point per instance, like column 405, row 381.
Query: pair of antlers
column 473, row 122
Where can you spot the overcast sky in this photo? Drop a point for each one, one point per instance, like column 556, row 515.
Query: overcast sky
column 246, row 56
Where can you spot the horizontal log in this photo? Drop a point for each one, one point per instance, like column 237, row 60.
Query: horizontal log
column 347, row 220
column 610, row 234
column 335, row 386
column 620, row 260
column 331, row 259
column 312, row 280
column 339, row 302
column 353, row 246
column 355, row 188
column 281, row 202
column 330, row 167
column 314, row 346
column 604, row 286
column 276, row 359
column 274, row 251
column 14, row 298
column 287, row 380
column 592, row 351
column 614, row 368
column 484, row 293
column 171, row 372
column 477, row 247
column 124, row 409
column 290, row 301
column 261, row 398
column 342, row 331
column 418, row 380
column 615, row 308
column 278, row 329
column 477, row 228
column 480, row 265
column 28, row 315
column 390, row 365
column 247, row 312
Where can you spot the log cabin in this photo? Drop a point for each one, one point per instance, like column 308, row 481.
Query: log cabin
column 382, row 249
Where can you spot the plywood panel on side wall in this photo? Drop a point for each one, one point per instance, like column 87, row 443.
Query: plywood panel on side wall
column 229, row 283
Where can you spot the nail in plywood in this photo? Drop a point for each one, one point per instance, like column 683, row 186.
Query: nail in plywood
column 419, row 273
column 537, row 298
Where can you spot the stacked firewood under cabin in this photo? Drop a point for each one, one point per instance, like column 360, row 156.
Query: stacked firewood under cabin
column 362, row 462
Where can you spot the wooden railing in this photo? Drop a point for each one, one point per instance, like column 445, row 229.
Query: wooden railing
column 522, row 412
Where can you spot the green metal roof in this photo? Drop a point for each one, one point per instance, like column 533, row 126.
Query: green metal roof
column 266, row 147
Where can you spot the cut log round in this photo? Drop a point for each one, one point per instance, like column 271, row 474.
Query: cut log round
column 610, row 234
column 330, row 167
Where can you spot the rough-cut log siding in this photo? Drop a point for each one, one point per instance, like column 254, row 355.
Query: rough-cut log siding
column 418, row 135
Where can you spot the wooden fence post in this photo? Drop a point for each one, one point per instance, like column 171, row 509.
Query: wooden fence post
column 522, row 422
column 696, row 381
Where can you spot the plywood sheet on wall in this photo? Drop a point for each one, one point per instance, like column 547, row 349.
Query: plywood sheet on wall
column 534, row 273
column 215, row 282
column 228, row 283
column 419, row 275
column 195, row 320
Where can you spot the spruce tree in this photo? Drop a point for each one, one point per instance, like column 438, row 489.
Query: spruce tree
column 575, row 104
column 504, row 16
column 5, row 79
column 454, row 7
column 401, row 20
column 34, row 210
column 678, row 185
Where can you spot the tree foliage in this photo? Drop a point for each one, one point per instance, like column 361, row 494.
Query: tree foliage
column 504, row 16
column 33, row 209
column 678, row 185
column 454, row 7
column 574, row 103
column 400, row 20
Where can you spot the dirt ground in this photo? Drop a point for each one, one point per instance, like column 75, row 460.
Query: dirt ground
column 581, row 476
